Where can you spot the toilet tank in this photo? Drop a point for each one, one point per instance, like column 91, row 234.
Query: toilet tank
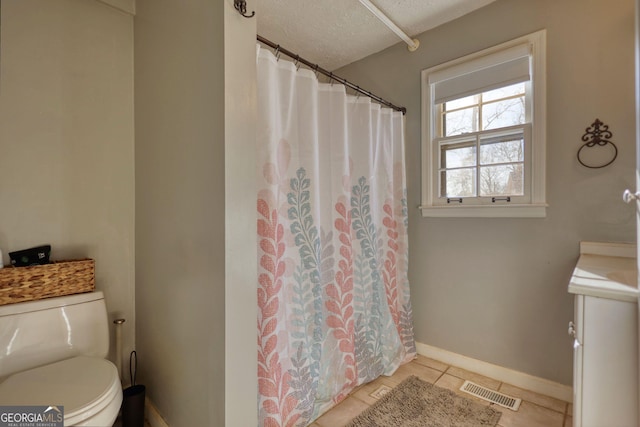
column 36, row 333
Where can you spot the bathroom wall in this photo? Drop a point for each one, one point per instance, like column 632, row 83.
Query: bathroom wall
column 67, row 177
column 496, row 289
column 180, row 208
column 128, row 6
column 66, row 139
column 241, row 264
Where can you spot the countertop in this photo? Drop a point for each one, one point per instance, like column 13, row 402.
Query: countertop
column 606, row 270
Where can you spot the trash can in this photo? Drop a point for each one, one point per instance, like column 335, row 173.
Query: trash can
column 133, row 397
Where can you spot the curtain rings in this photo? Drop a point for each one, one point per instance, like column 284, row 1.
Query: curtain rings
column 297, row 63
column 277, row 53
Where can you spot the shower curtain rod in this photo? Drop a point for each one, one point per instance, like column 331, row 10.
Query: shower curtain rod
column 318, row 69
column 412, row 44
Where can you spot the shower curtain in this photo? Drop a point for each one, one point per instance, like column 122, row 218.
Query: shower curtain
column 333, row 293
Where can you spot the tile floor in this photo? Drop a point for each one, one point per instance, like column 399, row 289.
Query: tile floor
column 536, row 410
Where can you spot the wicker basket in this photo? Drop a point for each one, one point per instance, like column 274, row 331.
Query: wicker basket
column 18, row 284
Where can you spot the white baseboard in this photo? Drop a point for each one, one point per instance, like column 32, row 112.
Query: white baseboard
column 152, row 415
column 516, row 378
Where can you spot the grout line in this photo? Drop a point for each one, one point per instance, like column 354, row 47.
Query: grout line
column 566, row 415
column 544, row 407
column 438, row 379
column 519, row 379
column 357, row 398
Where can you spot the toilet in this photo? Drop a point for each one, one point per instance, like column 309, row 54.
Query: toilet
column 52, row 353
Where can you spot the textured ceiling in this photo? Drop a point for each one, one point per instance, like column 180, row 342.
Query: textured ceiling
column 334, row 33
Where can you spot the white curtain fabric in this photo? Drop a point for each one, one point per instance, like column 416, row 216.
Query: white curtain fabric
column 333, row 293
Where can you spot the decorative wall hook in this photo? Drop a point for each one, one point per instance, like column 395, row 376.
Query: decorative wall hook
column 597, row 134
column 241, row 7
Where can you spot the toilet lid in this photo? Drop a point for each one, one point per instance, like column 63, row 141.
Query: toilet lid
column 80, row 384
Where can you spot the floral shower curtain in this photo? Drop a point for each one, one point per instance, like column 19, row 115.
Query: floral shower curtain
column 333, row 293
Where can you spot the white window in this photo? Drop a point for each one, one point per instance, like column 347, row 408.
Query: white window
column 484, row 133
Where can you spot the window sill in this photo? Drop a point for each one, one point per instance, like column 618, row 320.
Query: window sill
column 511, row 211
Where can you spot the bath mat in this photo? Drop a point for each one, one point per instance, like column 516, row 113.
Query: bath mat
column 415, row 403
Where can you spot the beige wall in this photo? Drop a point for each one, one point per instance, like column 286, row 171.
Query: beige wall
column 66, row 139
column 241, row 264
column 128, row 6
column 66, row 126
column 180, row 208
column 496, row 289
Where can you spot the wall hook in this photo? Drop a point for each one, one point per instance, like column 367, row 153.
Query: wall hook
column 597, row 134
column 241, row 7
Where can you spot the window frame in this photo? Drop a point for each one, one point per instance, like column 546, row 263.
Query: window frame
column 534, row 205
column 475, row 139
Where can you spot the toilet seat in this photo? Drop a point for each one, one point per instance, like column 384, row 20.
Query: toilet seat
column 83, row 385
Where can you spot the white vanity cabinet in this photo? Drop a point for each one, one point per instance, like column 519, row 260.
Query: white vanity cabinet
column 605, row 331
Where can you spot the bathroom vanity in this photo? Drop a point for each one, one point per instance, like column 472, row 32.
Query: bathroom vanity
column 605, row 331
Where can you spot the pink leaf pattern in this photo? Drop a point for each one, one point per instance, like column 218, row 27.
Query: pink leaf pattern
column 333, row 294
column 340, row 302
column 389, row 270
column 276, row 404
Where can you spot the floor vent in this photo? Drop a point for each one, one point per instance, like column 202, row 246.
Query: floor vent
column 491, row 396
column 380, row 391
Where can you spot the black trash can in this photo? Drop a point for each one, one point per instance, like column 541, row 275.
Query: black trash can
column 133, row 398
column 133, row 406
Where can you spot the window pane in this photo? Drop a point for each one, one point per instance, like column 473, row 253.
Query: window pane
column 457, row 155
column 461, row 121
column 467, row 101
column 504, row 180
column 505, row 149
column 458, row 183
column 509, row 112
column 503, row 92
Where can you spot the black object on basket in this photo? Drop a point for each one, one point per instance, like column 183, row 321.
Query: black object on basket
column 32, row 256
column 133, row 397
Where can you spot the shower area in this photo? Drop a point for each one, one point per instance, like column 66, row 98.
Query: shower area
column 334, row 309
column 266, row 285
